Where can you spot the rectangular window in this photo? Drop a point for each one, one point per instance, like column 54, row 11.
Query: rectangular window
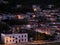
column 10, row 36
column 19, row 36
column 25, row 35
column 13, row 40
column 22, row 39
column 13, row 36
column 19, row 41
column 10, row 40
column 16, row 38
column 25, row 39
column 22, row 35
column 16, row 41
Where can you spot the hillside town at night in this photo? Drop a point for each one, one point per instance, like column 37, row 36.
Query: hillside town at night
column 32, row 23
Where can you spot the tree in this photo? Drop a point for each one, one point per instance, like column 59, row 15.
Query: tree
column 16, row 22
column 4, row 27
column 42, row 36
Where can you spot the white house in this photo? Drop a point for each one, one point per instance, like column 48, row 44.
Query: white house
column 14, row 38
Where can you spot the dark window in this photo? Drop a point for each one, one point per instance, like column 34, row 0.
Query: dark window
column 25, row 39
column 16, row 41
column 58, row 37
column 10, row 40
column 22, row 35
column 13, row 36
column 25, row 35
column 13, row 40
column 16, row 38
column 19, row 36
column 19, row 41
column 10, row 36
column 22, row 39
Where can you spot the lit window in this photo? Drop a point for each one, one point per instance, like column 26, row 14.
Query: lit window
column 35, row 9
column 20, row 16
column 18, row 6
column 28, row 26
column 33, row 16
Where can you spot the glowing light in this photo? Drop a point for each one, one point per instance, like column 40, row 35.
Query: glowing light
column 46, row 32
column 35, row 9
column 20, row 16
column 48, row 15
column 52, row 19
column 3, row 34
column 18, row 6
column 33, row 16
column 0, row 17
column 54, row 23
column 8, row 39
column 50, row 6
column 58, row 29
column 28, row 26
column 17, row 28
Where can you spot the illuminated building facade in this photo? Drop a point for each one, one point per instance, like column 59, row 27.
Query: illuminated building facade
column 14, row 38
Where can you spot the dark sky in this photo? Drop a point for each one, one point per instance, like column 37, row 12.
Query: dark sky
column 36, row 1
column 27, row 4
column 30, row 2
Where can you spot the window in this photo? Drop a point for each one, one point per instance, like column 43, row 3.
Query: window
column 58, row 37
column 16, row 41
column 16, row 38
column 10, row 36
column 19, row 41
column 25, row 35
column 25, row 39
column 19, row 36
column 22, row 35
column 13, row 36
column 13, row 40
column 10, row 40
column 22, row 39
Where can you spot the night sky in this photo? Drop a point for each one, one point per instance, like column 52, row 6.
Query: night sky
column 27, row 5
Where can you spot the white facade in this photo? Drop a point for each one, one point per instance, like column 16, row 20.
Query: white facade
column 14, row 38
